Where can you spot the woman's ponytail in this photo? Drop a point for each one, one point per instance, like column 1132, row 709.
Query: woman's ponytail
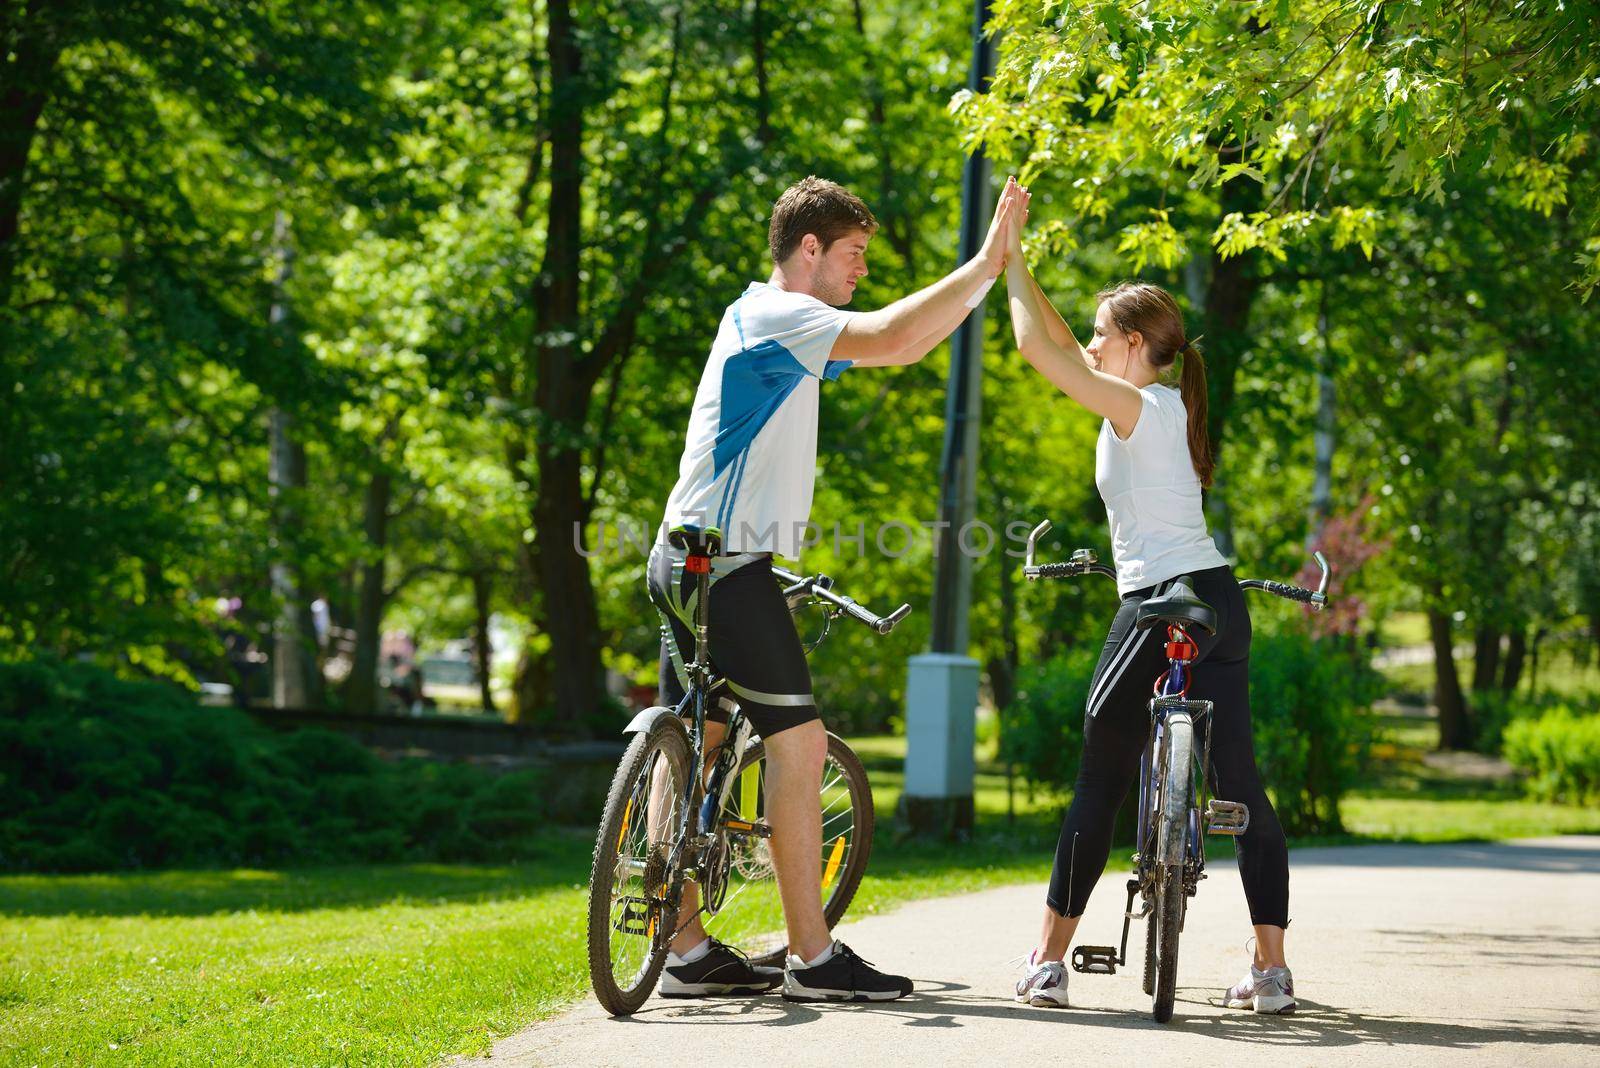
column 1151, row 311
column 1193, row 387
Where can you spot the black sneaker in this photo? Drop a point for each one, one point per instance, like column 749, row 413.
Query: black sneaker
column 723, row 970
column 842, row 977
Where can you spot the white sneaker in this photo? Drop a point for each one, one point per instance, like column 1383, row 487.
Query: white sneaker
column 1271, row 991
column 1043, row 983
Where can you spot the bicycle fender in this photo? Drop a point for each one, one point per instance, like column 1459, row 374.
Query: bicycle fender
column 1175, row 814
column 647, row 719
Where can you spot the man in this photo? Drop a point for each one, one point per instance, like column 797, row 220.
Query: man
column 748, row 468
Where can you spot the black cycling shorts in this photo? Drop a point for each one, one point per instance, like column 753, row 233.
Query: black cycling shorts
column 754, row 645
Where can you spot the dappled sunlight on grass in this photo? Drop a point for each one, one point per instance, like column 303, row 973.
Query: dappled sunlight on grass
column 561, row 858
column 411, row 963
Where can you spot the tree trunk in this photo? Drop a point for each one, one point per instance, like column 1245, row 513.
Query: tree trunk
column 1485, row 658
column 570, row 610
column 361, row 693
column 563, row 382
column 296, row 676
column 1454, row 732
column 559, row 375
column 1533, row 662
column 1516, row 652
column 899, row 228
column 1323, row 436
column 1229, row 294
column 482, row 650
column 26, row 75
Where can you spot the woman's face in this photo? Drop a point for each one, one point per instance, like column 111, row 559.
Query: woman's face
column 1110, row 350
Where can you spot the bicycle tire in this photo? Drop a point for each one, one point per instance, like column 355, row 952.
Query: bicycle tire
column 668, row 737
column 1176, row 784
column 850, row 866
column 1150, row 931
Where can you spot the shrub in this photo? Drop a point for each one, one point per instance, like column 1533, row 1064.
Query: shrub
column 1494, row 712
column 1042, row 733
column 1308, row 700
column 1560, row 753
column 98, row 773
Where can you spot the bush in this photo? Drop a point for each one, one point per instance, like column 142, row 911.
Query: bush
column 1042, row 733
column 1308, row 700
column 99, row 773
column 1494, row 712
column 1560, row 753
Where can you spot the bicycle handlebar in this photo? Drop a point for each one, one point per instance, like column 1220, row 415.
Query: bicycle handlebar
column 1083, row 562
column 821, row 587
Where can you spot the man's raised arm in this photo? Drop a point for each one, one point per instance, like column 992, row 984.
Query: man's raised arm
column 911, row 327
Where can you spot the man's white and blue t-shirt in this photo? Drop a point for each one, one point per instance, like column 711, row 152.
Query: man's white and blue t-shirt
column 750, row 459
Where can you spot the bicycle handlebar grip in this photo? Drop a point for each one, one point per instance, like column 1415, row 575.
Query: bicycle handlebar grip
column 857, row 612
column 1288, row 592
column 887, row 623
column 1058, row 570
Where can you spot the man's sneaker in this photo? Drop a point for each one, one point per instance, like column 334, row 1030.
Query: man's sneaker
column 1271, row 991
column 1043, row 983
column 722, row 970
column 843, row 976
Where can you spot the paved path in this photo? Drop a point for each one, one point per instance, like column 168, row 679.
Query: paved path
column 1403, row 955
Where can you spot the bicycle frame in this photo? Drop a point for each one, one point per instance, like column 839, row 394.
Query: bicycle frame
column 1184, row 848
column 701, row 827
column 1170, row 700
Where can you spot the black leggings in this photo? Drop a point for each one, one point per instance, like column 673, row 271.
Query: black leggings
column 1117, row 723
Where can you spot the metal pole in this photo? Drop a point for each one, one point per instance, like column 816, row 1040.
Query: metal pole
column 952, row 590
column 942, row 684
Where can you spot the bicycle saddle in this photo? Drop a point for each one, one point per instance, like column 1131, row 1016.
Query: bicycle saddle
column 1178, row 605
column 695, row 540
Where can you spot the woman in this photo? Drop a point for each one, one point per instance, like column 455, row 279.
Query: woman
column 1151, row 461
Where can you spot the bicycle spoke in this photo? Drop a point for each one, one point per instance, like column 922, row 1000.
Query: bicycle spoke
column 651, row 820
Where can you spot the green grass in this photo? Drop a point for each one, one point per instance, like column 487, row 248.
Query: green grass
column 409, row 964
column 373, row 965
column 1404, row 628
column 384, row 965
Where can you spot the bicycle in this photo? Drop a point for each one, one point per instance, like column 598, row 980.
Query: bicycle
column 1174, row 813
column 709, row 827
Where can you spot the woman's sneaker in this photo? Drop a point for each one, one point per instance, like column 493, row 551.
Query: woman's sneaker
column 841, row 976
column 1271, row 991
column 720, row 970
column 1043, row 983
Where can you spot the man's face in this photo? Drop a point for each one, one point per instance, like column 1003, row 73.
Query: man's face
column 839, row 268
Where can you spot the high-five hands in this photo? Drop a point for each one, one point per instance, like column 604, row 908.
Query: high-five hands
column 1018, row 219
column 996, row 244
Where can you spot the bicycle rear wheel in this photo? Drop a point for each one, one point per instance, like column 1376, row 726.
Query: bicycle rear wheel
column 630, row 882
column 1152, row 933
column 750, row 915
column 1177, row 783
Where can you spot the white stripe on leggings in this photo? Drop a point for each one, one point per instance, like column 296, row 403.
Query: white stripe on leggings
column 1119, row 664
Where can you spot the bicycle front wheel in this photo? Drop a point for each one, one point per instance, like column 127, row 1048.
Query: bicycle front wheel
column 750, row 912
column 630, row 882
column 1176, row 786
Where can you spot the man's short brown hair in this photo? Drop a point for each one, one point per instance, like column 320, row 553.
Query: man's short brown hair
column 816, row 206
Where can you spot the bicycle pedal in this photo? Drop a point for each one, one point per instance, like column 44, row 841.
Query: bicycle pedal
column 1099, row 960
column 635, row 916
column 1227, row 817
column 760, row 830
